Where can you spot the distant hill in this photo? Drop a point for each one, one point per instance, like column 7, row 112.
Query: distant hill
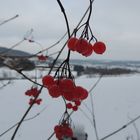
column 12, row 52
column 16, row 59
column 107, row 63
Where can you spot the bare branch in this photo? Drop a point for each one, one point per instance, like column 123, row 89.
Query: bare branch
column 12, row 18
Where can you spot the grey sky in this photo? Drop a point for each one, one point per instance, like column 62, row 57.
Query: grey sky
column 116, row 22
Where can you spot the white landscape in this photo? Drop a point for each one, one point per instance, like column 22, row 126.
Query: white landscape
column 116, row 102
column 91, row 28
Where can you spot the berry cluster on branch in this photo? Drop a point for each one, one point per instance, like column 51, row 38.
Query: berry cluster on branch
column 66, row 88
column 63, row 131
column 33, row 92
column 84, row 47
column 62, row 84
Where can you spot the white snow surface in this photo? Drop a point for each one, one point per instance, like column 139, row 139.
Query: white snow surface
column 116, row 100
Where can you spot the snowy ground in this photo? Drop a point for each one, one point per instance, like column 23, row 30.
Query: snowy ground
column 115, row 100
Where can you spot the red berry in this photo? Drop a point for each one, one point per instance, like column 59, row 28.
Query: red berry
column 48, row 81
column 82, row 45
column 31, row 101
column 77, row 103
column 58, row 131
column 75, row 108
column 32, row 92
column 80, row 93
column 72, row 43
column 38, row 101
column 67, row 85
column 84, row 94
column 89, row 50
column 68, row 132
column 35, row 92
column 63, row 130
column 99, row 47
column 68, row 95
column 42, row 57
column 69, row 105
column 58, row 81
column 56, row 128
column 28, row 93
column 54, row 91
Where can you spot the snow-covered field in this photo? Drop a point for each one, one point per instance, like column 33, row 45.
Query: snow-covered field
column 116, row 100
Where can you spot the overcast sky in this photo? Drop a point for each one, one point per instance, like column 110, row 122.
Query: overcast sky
column 116, row 22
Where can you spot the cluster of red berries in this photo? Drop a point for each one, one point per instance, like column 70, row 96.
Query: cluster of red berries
column 63, row 131
column 74, row 107
column 33, row 93
column 67, row 89
column 85, row 48
column 42, row 57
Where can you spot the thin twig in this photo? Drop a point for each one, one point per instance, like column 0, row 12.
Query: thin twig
column 5, row 21
column 25, row 114
column 5, row 84
column 86, row 116
column 136, row 129
column 121, row 128
column 65, row 16
column 12, row 47
column 28, row 119
column 93, row 117
column 96, row 83
column 92, row 107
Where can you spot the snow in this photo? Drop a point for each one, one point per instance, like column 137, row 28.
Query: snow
column 116, row 100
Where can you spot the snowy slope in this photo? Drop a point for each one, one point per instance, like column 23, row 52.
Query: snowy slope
column 115, row 98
